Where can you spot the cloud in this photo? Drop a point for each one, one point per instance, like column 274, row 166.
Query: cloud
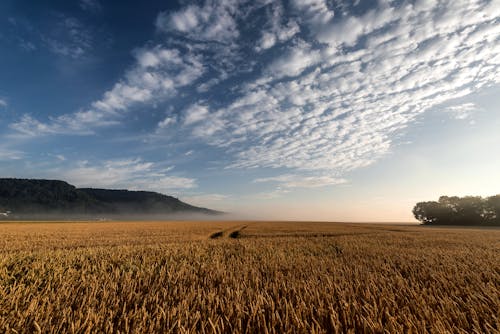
column 166, row 122
column 31, row 127
column 276, row 193
column 288, row 181
column 348, row 30
column 278, row 30
column 63, row 35
column 157, row 75
column 208, row 200
column 314, row 12
column 22, row 33
column 3, row 103
column 78, row 123
column 27, row 45
column 325, row 107
column 93, row 6
column 462, row 111
column 212, row 22
column 195, row 113
column 170, row 183
column 134, row 174
column 295, row 61
column 6, row 154
column 299, row 87
column 69, row 37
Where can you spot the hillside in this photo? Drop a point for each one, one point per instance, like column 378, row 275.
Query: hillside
column 30, row 198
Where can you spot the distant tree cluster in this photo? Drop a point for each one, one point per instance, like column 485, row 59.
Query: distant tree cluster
column 469, row 210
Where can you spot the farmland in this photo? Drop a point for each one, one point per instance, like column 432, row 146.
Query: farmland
column 276, row 277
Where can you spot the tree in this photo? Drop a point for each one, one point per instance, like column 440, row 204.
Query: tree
column 493, row 209
column 469, row 210
column 432, row 213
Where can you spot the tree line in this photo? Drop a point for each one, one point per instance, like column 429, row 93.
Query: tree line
column 469, row 210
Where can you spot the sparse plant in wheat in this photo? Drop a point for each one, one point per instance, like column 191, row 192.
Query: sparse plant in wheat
column 232, row 277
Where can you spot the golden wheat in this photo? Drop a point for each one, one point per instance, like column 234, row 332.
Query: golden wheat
column 247, row 277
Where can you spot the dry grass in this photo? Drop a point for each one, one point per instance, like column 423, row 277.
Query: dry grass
column 253, row 277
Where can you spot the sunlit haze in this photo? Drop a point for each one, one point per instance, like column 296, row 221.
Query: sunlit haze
column 302, row 110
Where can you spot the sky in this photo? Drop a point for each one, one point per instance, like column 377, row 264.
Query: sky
column 302, row 109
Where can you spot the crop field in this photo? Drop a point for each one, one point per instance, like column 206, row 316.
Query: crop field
column 247, row 277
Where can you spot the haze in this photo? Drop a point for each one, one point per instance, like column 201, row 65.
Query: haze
column 308, row 110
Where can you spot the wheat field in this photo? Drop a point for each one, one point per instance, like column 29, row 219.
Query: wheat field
column 247, row 277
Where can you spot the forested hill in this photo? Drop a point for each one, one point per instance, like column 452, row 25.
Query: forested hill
column 22, row 198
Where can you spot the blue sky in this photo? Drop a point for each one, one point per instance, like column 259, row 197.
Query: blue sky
column 302, row 109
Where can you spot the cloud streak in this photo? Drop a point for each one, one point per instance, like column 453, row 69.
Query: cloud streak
column 7, row 154
column 462, row 111
column 134, row 174
column 300, row 181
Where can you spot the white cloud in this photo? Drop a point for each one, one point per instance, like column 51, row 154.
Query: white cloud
column 344, row 112
column 267, row 41
column 169, row 183
column 211, row 29
column 31, row 127
column 195, row 113
column 212, row 22
column 278, row 30
column 185, row 20
column 332, row 94
column 122, row 96
column 78, row 123
column 7, row 154
column 295, row 61
column 462, row 111
column 288, row 181
column 166, row 122
column 315, row 12
column 134, row 174
column 205, row 200
column 272, row 194
column 284, row 33
column 349, row 29
column 3, row 103
column 159, row 72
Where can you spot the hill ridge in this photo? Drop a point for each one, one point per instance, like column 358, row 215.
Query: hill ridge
column 29, row 198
